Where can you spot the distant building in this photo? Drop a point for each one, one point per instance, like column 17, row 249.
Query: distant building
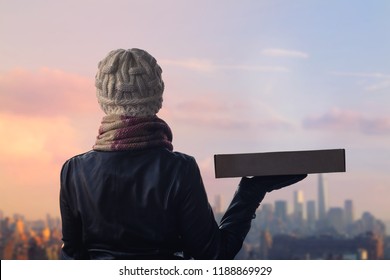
column 23, row 239
column 281, row 210
column 336, row 219
column 365, row 246
column 298, row 206
column 265, row 244
column 322, row 198
column 349, row 211
column 369, row 223
column 267, row 212
column 311, row 214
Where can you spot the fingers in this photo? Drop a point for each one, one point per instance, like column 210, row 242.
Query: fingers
column 274, row 182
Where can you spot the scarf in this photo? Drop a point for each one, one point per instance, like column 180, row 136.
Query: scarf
column 117, row 133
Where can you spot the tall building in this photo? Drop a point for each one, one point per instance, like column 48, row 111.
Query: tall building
column 322, row 198
column 267, row 213
column 336, row 219
column 298, row 213
column 349, row 212
column 281, row 210
column 268, row 209
column 311, row 214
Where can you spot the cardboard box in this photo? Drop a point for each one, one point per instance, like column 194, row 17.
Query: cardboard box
column 279, row 163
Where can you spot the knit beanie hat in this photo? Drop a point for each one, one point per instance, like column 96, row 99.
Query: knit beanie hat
column 128, row 82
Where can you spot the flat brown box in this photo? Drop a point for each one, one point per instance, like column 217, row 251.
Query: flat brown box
column 279, row 163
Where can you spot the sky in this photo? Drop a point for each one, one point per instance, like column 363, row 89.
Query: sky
column 240, row 77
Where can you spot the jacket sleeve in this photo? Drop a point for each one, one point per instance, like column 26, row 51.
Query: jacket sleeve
column 202, row 237
column 72, row 247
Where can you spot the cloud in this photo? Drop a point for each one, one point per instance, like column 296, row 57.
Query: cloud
column 284, row 53
column 37, row 139
column 46, row 92
column 374, row 81
column 346, row 120
column 375, row 126
column 361, row 74
column 33, row 149
column 204, row 65
column 215, row 111
column 257, row 68
column 45, row 117
column 385, row 84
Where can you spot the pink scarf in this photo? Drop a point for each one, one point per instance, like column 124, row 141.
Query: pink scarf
column 118, row 133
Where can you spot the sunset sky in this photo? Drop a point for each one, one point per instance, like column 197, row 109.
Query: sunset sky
column 240, row 76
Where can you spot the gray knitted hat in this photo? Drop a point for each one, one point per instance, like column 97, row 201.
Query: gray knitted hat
column 128, row 82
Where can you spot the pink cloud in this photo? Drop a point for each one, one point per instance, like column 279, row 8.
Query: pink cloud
column 46, row 92
column 346, row 120
column 45, row 117
column 376, row 126
column 205, row 65
column 41, row 144
column 334, row 119
column 214, row 110
column 33, row 149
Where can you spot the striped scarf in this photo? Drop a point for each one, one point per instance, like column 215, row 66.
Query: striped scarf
column 118, row 133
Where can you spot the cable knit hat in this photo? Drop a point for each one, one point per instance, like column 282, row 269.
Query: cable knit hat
column 128, row 82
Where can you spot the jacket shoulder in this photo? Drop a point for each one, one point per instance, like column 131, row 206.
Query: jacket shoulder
column 173, row 156
column 180, row 156
column 80, row 156
column 69, row 163
column 182, row 160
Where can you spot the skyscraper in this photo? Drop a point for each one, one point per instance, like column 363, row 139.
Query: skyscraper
column 281, row 210
column 298, row 206
column 322, row 198
column 266, row 213
column 349, row 212
column 336, row 219
column 311, row 214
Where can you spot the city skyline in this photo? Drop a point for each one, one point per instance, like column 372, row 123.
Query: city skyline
column 300, row 209
column 240, row 77
column 336, row 234
column 220, row 204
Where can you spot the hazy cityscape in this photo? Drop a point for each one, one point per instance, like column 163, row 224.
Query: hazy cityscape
column 21, row 239
column 312, row 230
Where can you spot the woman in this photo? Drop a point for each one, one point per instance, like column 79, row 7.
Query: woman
column 132, row 196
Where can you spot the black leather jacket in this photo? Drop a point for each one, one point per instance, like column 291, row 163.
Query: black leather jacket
column 146, row 204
